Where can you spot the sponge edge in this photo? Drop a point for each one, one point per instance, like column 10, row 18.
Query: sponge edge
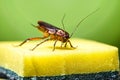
column 88, row 57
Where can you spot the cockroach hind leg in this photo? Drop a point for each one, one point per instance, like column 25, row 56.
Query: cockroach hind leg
column 14, row 45
column 74, row 47
column 39, row 44
column 18, row 45
column 32, row 49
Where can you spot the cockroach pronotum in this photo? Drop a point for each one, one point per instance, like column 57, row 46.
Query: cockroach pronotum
column 54, row 33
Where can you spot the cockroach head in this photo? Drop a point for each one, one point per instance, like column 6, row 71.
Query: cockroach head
column 66, row 37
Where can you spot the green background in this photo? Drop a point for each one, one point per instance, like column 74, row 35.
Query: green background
column 104, row 25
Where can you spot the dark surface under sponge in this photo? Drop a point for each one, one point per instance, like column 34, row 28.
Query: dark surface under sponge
column 10, row 75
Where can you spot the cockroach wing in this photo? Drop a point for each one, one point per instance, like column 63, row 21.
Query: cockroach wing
column 47, row 25
column 51, row 31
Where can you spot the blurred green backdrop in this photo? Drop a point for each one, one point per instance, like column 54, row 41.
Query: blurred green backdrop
column 104, row 25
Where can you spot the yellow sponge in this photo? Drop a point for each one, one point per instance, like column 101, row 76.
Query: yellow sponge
column 88, row 57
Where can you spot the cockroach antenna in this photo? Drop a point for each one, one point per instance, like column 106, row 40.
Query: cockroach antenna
column 63, row 22
column 82, row 21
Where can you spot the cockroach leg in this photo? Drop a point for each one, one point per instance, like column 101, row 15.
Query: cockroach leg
column 31, row 39
column 71, row 44
column 54, row 44
column 65, row 44
column 39, row 44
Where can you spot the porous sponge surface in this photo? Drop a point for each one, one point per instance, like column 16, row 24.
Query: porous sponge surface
column 88, row 57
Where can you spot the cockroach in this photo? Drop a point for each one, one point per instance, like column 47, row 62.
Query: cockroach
column 51, row 32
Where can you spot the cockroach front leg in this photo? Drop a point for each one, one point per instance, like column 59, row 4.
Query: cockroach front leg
column 69, row 43
column 31, row 39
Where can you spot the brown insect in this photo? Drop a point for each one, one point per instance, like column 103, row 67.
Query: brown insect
column 51, row 32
